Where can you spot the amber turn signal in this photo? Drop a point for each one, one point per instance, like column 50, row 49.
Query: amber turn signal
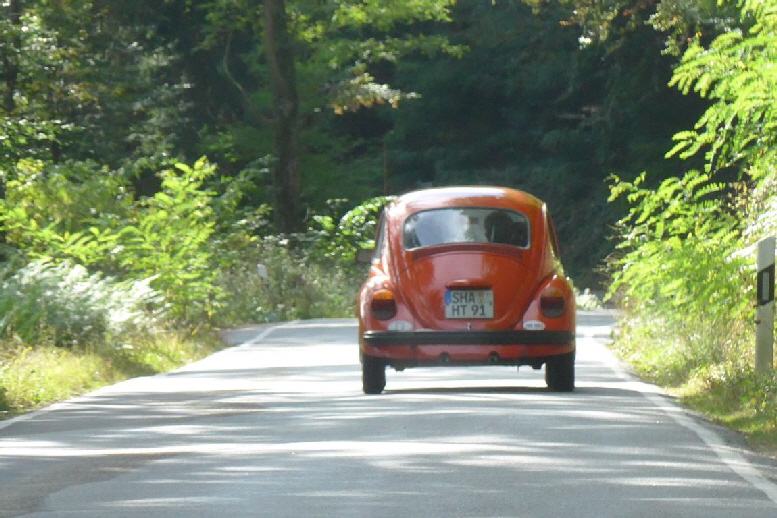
column 383, row 305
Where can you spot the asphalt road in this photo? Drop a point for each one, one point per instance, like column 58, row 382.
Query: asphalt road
column 278, row 427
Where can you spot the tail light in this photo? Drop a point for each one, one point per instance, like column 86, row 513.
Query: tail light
column 383, row 305
column 552, row 303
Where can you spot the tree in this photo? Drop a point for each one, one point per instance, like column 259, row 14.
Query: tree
column 681, row 264
column 85, row 80
column 738, row 72
column 10, row 57
column 26, row 47
column 527, row 108
column 680, row 21
column 312, row 58
column 279, row 47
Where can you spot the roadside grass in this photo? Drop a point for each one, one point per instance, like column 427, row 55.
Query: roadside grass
column 708, row 371
column 65, row 331
column 33, row 377
column 735, row 409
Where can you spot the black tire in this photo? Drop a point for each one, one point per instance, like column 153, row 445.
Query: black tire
column 373, row 375
column 560, row 373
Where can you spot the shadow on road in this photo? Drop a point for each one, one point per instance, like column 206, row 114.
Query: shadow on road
column 277, row 430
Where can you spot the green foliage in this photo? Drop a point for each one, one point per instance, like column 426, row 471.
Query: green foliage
column 76, row 195
column 612, row 22
column 308, row 275
column 367, row 33
column 298, row 286
column 169, row 241
column 673, row 352
column 738, row 384
column 65, row 305
column 676, row 268
column 682, row 269
column 683, row 21
column 80, row 83
column 27, row 49
column 280, row 280
column 587, row 300
column 385, row 16
column 677, row 249
column 340, row 239
column 93, row 220
column 737, row 72
column 345, row 56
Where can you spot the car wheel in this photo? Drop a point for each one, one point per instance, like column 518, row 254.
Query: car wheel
column 560, row 373
column 373, row 375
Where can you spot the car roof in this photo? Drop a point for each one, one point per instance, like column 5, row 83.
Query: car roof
column 467, row 196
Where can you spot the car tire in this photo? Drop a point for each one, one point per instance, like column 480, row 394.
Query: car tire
column 373, row 375
column 560, row 373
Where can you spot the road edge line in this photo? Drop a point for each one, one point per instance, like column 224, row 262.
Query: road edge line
column 733, row 460
column 265, row 333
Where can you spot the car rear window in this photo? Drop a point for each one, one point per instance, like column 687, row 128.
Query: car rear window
column 466, row 225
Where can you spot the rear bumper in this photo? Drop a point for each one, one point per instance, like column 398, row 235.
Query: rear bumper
column 467, row 338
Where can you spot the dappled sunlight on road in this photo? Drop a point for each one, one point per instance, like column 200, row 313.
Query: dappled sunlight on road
column 283, row 425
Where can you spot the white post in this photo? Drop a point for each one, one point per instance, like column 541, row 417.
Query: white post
column 764, row 313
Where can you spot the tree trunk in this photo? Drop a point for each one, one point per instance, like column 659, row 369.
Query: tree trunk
column 279, row 46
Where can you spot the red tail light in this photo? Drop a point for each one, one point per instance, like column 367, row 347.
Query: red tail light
column 552, row 303
column 383, row 305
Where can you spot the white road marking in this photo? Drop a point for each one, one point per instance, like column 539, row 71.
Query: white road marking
column 731, row 458
column 736, row 462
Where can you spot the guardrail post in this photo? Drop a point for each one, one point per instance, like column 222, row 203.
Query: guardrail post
column 764, row 313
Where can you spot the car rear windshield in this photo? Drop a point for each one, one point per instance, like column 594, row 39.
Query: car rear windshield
column 466, row 225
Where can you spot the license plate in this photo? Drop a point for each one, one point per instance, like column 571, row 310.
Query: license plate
column 469, row 304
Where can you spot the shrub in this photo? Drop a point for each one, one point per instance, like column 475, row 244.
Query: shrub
column 587, row 300
column 686, row 285
column 298, row 285
column 64, row 304
column 309, row 275
column 339, row 237
column 168, row 241
column 678, row 270
column 164, row 239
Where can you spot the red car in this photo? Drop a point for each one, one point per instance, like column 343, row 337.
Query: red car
column 466, row 276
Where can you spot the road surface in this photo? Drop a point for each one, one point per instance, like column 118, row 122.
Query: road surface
column 277, row 426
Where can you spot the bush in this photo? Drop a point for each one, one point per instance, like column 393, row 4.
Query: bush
column 587, row 300
column 65, row 305
column 283, row 281
column 309, row 275
column 339, row 237
column 65, row 331
column 678, row 271
column 686, row 288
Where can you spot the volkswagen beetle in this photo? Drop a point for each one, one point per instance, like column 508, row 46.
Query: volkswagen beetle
column 463, row 276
